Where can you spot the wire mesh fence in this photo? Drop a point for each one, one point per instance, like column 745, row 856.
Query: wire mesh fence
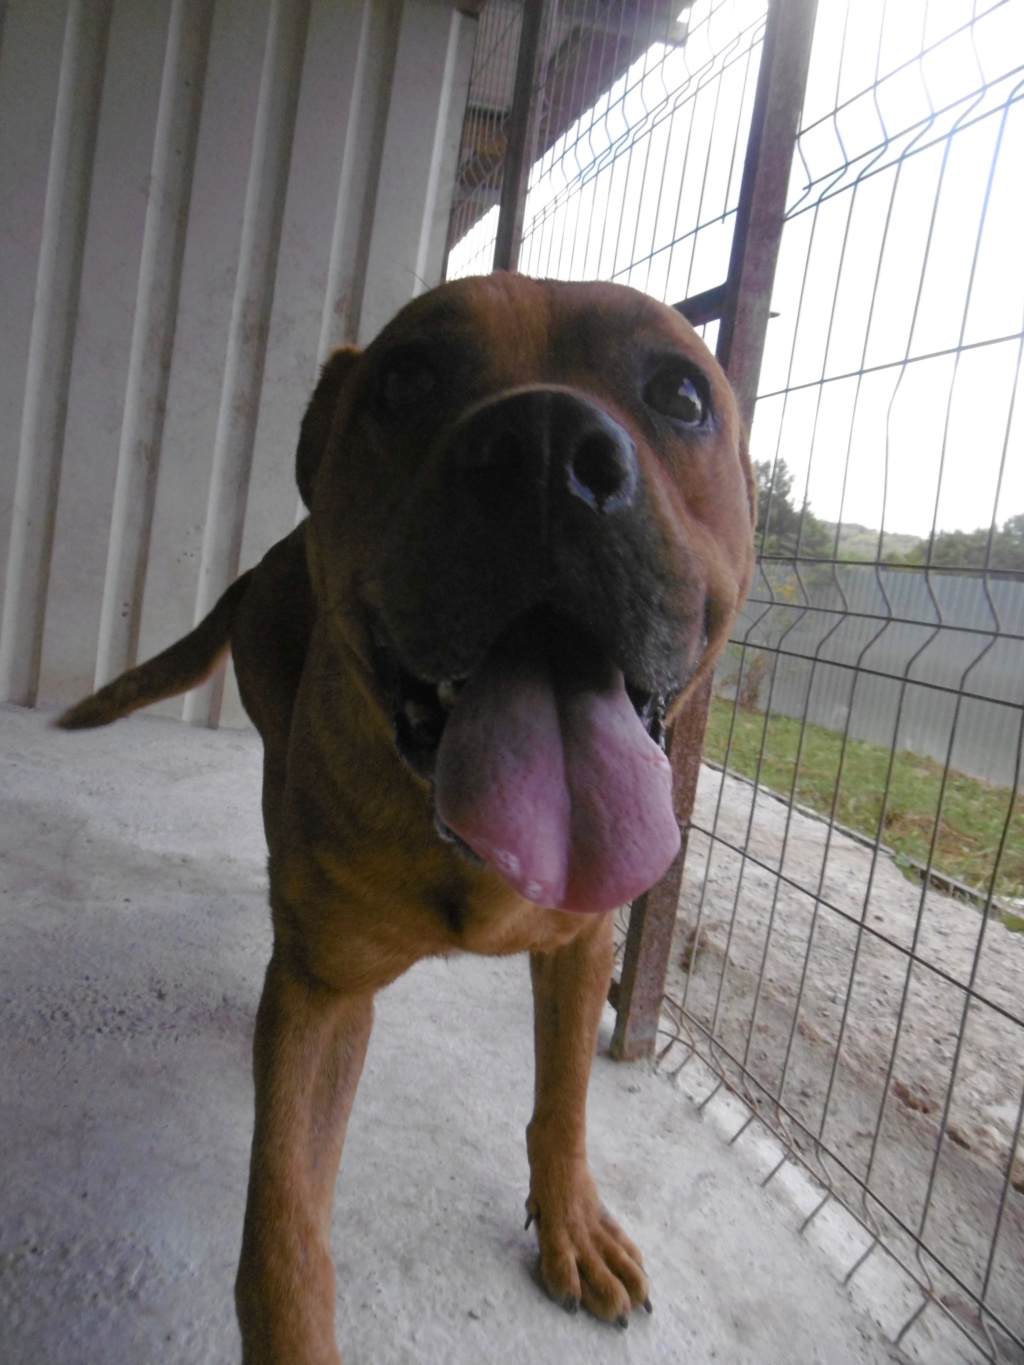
column 643, row 113
column 849, row 946
column 484, row 139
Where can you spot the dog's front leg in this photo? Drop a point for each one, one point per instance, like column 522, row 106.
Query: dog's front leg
column 585, row 1255
column 308, row 1055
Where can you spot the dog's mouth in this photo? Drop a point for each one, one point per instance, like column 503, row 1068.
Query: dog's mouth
column 546, row 763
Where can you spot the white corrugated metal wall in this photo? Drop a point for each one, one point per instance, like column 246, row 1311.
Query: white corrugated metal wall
column 197, row 201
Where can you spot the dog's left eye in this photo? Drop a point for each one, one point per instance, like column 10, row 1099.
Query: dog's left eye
column 405, row 383
column 675, row 393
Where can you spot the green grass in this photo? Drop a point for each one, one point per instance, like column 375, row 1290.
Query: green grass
column 973, row 812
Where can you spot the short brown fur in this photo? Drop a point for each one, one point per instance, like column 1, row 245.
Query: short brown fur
column 362, row 886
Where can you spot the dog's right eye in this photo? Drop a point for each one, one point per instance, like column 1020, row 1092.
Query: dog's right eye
column 404, row 383
column 677, row 391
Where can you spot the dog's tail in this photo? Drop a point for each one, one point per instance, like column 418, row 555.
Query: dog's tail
column 184, row 664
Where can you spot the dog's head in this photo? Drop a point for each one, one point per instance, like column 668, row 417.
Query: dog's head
column 531, row 523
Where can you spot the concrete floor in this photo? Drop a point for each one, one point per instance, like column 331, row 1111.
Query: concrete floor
column 134, row 933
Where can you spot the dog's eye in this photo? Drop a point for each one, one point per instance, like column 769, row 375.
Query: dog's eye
column 405, row 382
column 675, row 393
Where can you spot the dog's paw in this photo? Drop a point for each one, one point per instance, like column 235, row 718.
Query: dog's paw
column 585, row 1257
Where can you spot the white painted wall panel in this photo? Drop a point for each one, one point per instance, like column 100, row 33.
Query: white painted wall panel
column 50, row 356
column 152, row 311
column 28, row 96
column 226, row 129
column 292, row 362
column 103, row 335
column 434, row 54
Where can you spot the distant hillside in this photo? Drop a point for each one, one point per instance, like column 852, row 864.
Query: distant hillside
column 861, row 542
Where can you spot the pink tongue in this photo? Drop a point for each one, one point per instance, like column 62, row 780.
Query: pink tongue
column 546, row 772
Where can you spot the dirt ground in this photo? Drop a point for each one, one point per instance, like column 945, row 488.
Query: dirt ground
column 888, row 1022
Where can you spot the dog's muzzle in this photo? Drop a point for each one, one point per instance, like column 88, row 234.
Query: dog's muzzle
column 548, row 444
column 536, row 620
column 536, row 499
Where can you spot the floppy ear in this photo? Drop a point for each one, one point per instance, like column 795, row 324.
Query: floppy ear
column 316, row 424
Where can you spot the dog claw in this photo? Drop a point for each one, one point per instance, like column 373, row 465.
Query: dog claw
column 622, row 1321
column 648, row 1305
column 529, row 1220
column 571, row 1304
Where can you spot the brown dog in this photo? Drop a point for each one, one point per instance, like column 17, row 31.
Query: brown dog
column 530, row 531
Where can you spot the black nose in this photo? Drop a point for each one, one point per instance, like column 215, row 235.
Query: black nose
column 547, row 440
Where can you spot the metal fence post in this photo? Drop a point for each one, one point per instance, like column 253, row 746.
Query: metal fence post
column 743, row 308
column 522, row 133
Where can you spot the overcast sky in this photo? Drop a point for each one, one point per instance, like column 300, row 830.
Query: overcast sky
column 911, row 244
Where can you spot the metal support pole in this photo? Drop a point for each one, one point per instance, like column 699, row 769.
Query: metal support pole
column 743, row 308
column 652, row 917
column 761, row 212
column 522, row 133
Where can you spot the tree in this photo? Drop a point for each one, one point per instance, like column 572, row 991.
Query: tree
column 970, row 549
column 783, row 531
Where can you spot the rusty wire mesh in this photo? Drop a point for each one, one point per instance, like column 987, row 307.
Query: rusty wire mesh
column 849, row 950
